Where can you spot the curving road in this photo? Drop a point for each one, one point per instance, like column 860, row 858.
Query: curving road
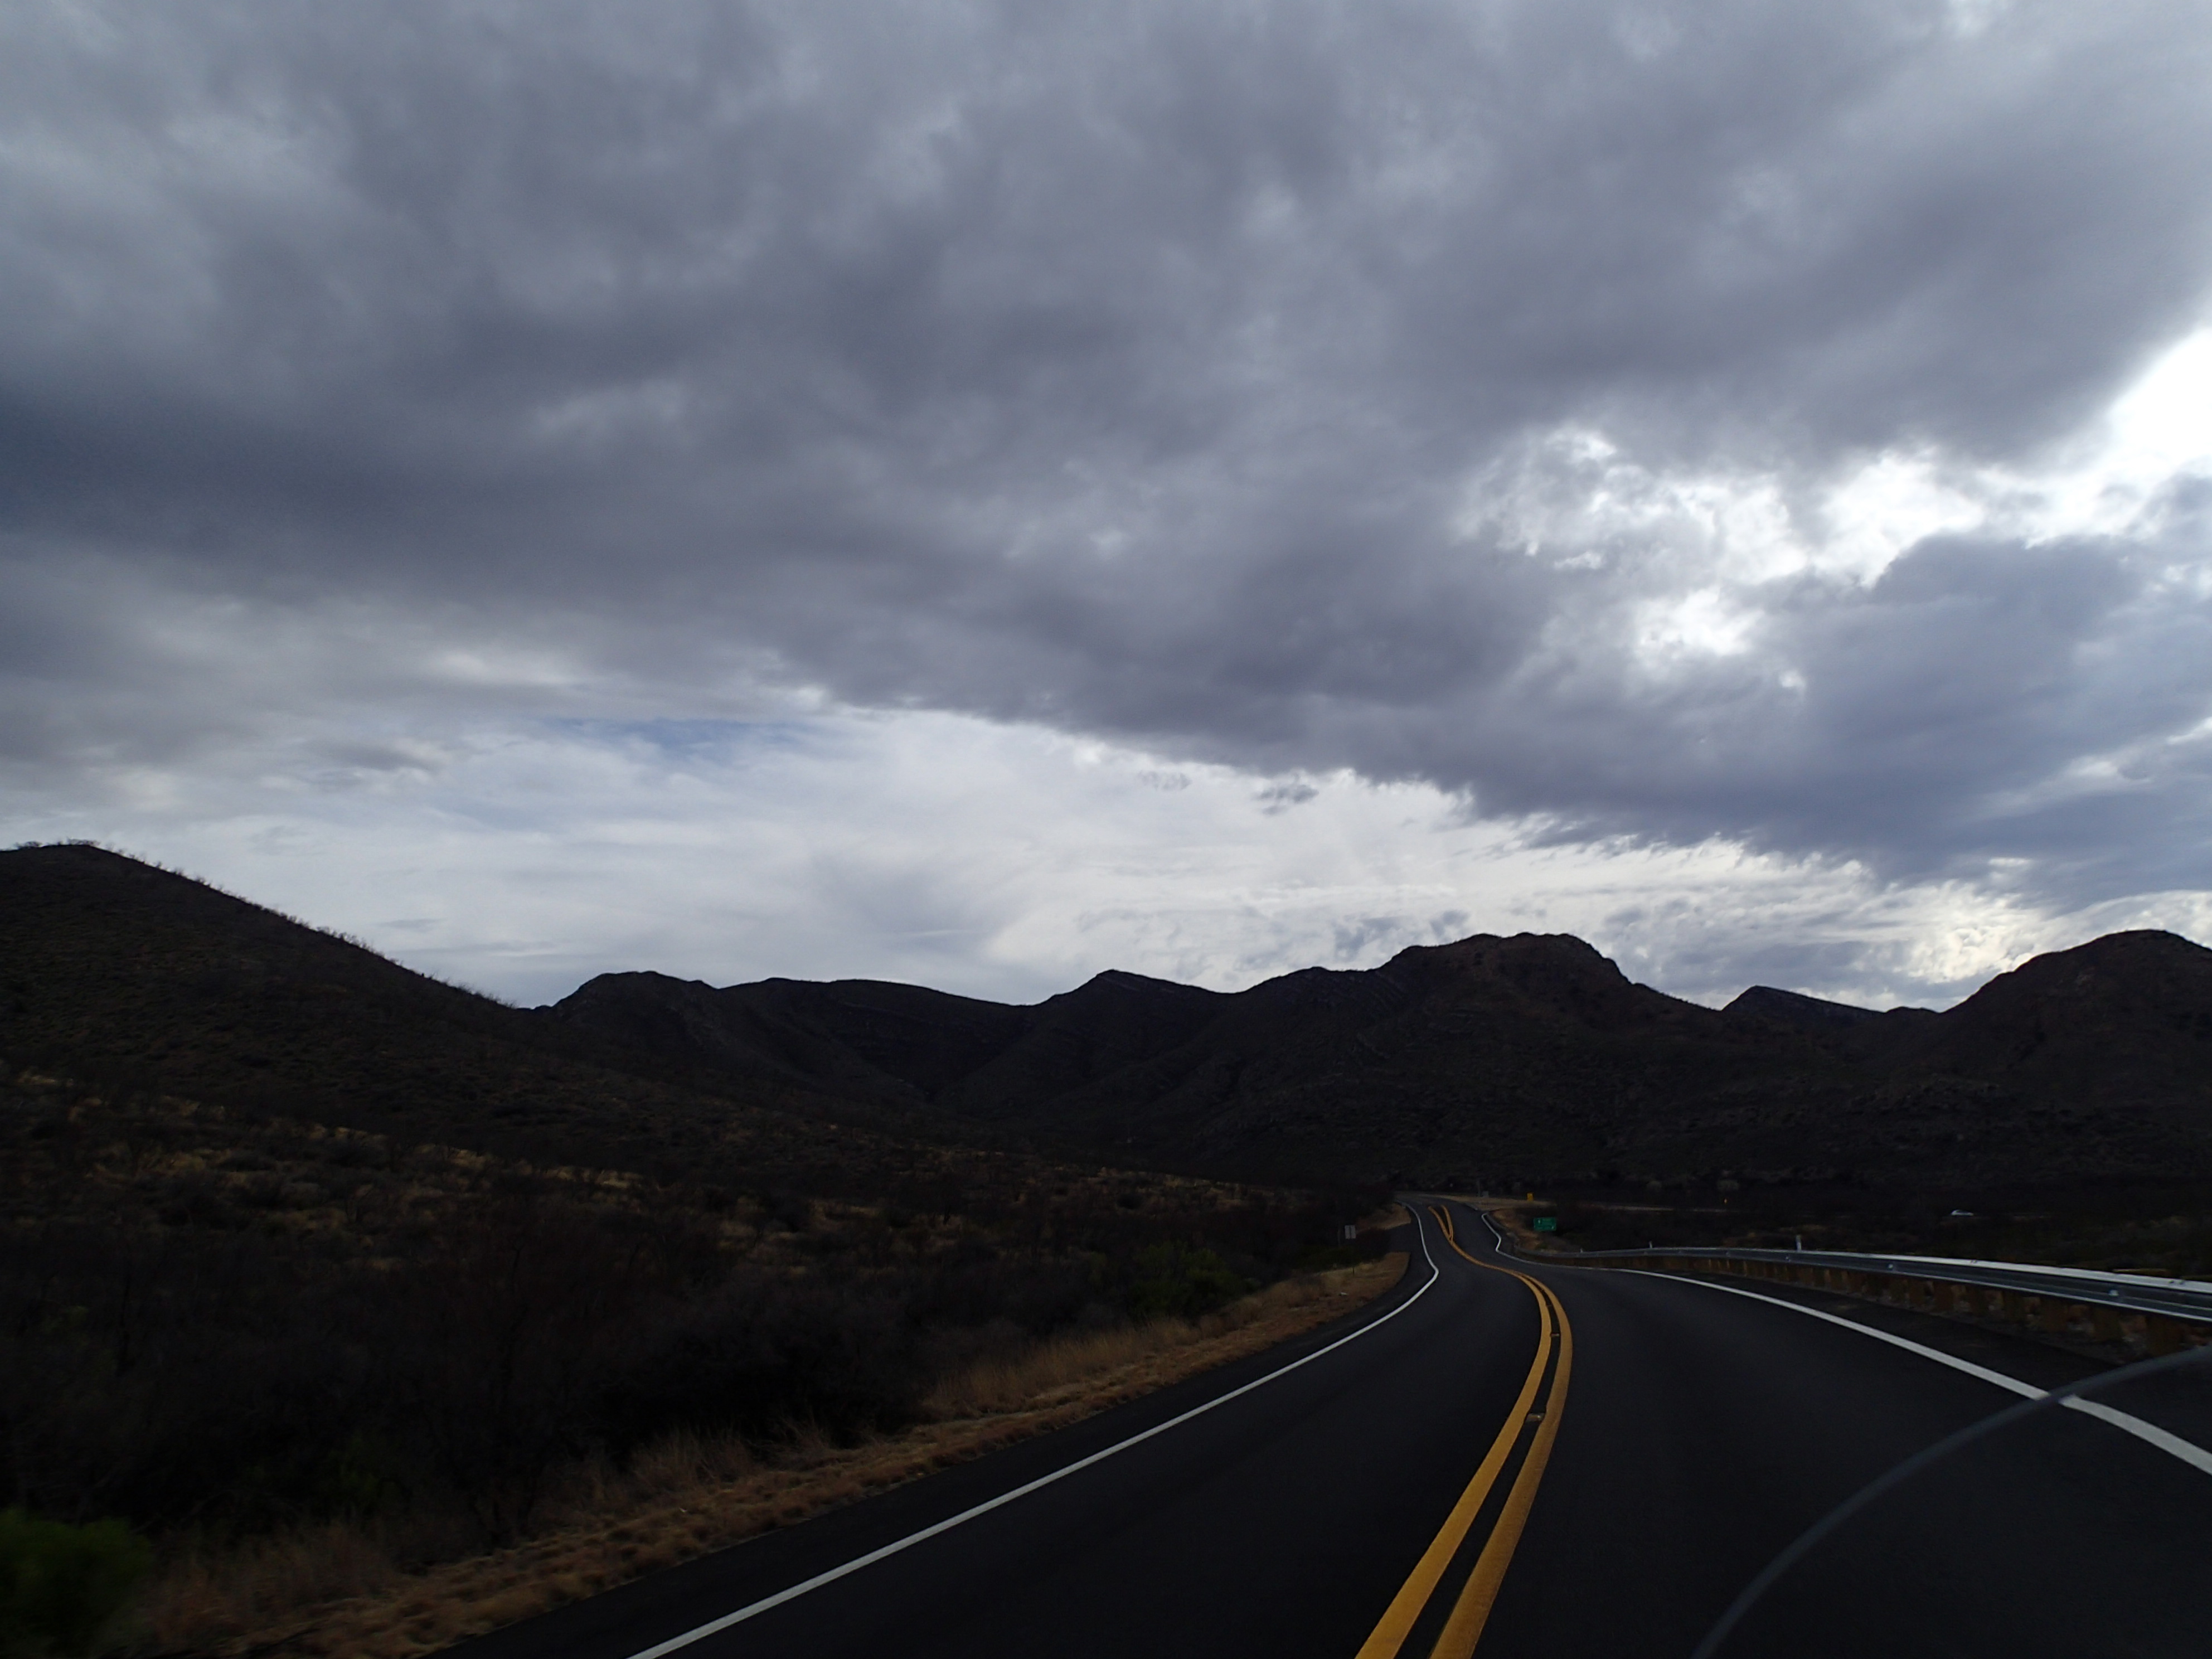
column 1540, row 1461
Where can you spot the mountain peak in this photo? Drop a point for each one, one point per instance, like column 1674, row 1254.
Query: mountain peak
column 1794, row 1008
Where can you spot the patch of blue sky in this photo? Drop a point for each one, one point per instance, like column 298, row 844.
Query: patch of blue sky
column 694, row 739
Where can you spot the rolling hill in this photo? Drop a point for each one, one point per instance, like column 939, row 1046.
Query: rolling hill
column 139, row 981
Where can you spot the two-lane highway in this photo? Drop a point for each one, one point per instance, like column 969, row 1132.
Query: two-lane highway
column 1534, row 1459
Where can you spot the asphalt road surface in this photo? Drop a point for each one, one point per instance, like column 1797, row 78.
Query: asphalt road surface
column 1523, row 1461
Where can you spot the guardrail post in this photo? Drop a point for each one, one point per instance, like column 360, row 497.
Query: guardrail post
column 2105, row 1322
column 2161, row 1335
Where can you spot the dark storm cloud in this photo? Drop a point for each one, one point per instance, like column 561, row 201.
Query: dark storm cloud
column 1133, row 369
column 1941, row 710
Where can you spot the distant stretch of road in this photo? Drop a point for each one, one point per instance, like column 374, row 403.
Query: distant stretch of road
column 1517, row 1459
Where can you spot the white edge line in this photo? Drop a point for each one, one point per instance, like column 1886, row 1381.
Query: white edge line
column 714, row 1626
column 1926, row 1352
column 2150, row 1433
column 2187, row 1450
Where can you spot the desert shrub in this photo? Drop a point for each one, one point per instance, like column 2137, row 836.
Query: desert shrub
column 492, row 1350
column 788, row 1209
column 1171, row 1282
column 1319, row 1258
column 63, row 1588
column 1038, row 1297
column 262, row 1192
column 765, row 1352
column 195, row 1199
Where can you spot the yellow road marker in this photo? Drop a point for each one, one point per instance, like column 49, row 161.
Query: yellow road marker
column 1464, row 1628
column 1471, row 1610
column 1397, row 1621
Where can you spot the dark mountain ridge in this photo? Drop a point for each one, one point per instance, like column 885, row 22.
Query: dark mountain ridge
column 1533, row 1056
column 1806, row 1013
column 141, row 981
column 1525, row 1058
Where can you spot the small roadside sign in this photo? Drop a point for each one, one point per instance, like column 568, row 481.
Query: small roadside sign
column 1547, row 1223
column 1351, row 1232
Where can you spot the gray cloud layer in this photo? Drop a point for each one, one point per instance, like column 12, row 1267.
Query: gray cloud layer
column 1185, row 373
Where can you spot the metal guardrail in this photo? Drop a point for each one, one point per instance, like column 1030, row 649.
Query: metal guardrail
column 2063, row 1296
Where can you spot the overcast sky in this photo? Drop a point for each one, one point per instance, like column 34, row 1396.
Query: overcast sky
column 984, row 493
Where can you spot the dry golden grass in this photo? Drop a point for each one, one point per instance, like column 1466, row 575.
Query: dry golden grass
column 335, row 1590
column 247, row 1588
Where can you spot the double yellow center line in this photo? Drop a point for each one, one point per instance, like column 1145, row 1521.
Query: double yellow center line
column 1463, row 1629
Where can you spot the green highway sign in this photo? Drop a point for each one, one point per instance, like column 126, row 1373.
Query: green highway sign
column 1547, row 1223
